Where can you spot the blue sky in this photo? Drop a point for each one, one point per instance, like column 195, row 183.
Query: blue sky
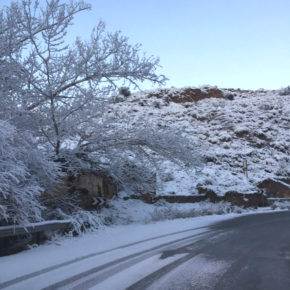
column 228, row 43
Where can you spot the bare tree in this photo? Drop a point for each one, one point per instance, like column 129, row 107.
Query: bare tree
column 18, row 23
column 22, row 20
column 60, row 92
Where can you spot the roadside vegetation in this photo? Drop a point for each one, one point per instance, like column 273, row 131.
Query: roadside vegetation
column 53, row 99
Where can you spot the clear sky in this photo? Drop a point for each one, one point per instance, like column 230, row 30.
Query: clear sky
column 228, row 43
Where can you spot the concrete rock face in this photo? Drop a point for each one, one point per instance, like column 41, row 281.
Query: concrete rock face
column 92, row 185
column 96, row 185
column 85, row 187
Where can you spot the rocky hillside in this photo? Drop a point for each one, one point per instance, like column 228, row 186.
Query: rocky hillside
column 228, row 127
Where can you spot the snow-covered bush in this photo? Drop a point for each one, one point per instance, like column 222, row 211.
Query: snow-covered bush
column 156, row 104
column 199, row 209
column 24, row 173
column 133, row 175
column 65, row 98
column 281, row 205
column 285, row 91
column 283, row 168
column 124, row 91
column 81, row 220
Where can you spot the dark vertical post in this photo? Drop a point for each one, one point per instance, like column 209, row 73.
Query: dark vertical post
column 245, row 167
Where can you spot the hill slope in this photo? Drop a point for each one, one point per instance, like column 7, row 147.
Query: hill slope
column 229, row 126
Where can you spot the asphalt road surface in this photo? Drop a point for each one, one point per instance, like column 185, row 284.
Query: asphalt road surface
column 248, row 252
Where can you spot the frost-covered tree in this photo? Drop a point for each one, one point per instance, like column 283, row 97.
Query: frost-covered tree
column 59, row 92
column 24, row 173
column 133, row 152
column 18, row 23
column 64, row 84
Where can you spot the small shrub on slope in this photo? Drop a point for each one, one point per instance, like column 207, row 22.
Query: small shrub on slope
column 285, row 91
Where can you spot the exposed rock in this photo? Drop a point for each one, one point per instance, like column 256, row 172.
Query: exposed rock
column 84, row 187
column 262, row 136
column 235, row 198
column 96, row 185
column 242, row 132
column 211, row 195
column 246, row 200
column 151, row 198
column 275, row 188
column 188, row 94
column 180, row 198
column 203, row 190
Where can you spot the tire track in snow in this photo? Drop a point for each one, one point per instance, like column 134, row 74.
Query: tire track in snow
column 54, row 267
column 151, row 252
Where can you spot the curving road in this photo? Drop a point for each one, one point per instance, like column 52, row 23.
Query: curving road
column 253, row 252
column 248, row 252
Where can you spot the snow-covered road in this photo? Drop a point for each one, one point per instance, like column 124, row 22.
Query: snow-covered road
column 121, row 257
column 98, row 260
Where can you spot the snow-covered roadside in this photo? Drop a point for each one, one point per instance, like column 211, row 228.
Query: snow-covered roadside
column 106, row 239
column 136, row 211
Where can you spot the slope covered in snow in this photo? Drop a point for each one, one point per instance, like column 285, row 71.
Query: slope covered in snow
column 227, row 126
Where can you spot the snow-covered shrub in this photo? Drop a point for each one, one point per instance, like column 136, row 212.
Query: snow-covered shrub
column 125, row 91
column 81, row 220
column 167, row 176
column 24, row 173
column 133, row 173
column 229, row 96
column 84, row 221
column 76, row 161
column 168, row 211
column 66, row 207
column 156, row 104
column 242, row 131
column 285, row 91
column 283, row 168
column 284, row 205
column 266, row 107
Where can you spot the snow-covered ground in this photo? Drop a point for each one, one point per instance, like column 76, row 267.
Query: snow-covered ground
column 129, row 211
column 255, row 126
column 65, row 257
